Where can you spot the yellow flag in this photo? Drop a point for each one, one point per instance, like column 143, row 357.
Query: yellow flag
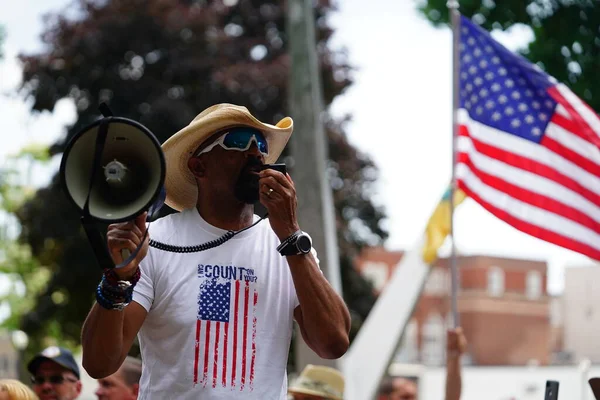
column 438, row 226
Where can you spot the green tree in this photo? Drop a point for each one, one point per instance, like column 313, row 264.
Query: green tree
column 160, row 63
column 20, row 272
column 566, row 40
column 23, row 272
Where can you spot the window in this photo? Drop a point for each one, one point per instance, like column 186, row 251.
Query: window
column 495, row 282
column 376, row 273
column 408, row 351
column 433, row 340
column 533, row 285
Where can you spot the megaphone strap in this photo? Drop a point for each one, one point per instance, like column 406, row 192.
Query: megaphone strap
column 192, row 249
column 201, row 247
column 100, row 141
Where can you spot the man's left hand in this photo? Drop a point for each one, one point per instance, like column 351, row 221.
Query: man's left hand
column 278, row 195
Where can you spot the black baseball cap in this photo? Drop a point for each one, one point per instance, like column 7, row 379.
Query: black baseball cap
column 59, row 355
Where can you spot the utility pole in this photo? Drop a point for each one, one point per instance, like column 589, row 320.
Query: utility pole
column 309, row 150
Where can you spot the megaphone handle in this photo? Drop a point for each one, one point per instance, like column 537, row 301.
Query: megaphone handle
column 152, row 212
column 128, row 256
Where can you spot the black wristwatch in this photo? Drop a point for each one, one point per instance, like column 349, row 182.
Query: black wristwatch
column 298, row 243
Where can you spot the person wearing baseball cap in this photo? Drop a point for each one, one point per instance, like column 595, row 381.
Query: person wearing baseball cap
column 55, row 374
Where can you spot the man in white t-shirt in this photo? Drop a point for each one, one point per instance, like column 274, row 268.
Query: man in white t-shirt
column 216, row 323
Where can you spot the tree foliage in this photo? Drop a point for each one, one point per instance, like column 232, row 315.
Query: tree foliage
column 161, row 62
column 566, row 37
column 20, row 271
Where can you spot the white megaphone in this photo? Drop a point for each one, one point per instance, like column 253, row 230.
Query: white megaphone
column 113, row 170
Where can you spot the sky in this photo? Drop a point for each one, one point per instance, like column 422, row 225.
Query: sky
column 401, row 109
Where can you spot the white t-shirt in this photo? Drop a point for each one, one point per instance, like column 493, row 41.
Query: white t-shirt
column 219, row 321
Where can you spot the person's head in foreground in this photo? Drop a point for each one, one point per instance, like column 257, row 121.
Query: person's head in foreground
column 123, row 384
column 55, row 374
column 11, row 389
column 398, row 388
column 318, row 383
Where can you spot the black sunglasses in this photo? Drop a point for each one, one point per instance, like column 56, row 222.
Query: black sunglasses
column 54, row 379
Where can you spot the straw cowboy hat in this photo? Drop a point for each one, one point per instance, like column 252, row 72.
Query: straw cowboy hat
column 180, row 184
column 320, row 381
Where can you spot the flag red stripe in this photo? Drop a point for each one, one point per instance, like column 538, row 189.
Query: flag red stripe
column 531, row 165
column 570, row 155
column 206, row 348
column 253, row 337
column 570, row 125
column 197, row 351
column 216, row 353
column 235, row 331
column 582, row 128
column 505, row 176
column 530, row 197
column 245, row 330
column 533, row 230
column 225, row 332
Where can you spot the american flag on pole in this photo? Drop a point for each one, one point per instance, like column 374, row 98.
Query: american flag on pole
column 527, row 147
column 225, row 348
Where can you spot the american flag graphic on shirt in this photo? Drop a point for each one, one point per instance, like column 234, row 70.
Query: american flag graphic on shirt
column 225, row 349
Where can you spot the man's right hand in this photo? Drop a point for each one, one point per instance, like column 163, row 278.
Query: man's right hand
column 127, row 236
column 456, row 342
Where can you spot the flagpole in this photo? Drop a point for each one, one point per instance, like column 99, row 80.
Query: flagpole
column 455, row 19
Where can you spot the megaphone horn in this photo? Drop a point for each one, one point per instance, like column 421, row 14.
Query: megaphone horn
column 113, row 170
column 118, row 179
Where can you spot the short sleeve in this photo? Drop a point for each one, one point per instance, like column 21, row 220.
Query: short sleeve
column 296, row 301
column 143, row 292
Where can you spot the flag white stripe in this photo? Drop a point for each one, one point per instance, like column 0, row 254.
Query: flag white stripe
column 533, row 151
column 562, row 111
column 527, row 179
column 574, row 142
column 526, row 212
column 230, row 341
column 588, row 115
column 222, row 335
column 245, row 355
column 240, row 336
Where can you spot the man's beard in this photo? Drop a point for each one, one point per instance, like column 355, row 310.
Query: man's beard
column 247, row 185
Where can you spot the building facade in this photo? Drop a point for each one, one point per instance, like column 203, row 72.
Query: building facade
column 580, row 314
column 503, row 308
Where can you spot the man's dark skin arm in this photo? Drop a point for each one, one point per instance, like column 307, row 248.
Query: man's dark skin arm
column 107, row 335
column 323, row 317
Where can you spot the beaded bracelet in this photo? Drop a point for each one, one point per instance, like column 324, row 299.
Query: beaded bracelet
column 108, row 304
column 114, row 296
column 118, row 289
column 113, row 278
column 114, row 293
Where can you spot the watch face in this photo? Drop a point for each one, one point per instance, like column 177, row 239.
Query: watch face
column 304, row 244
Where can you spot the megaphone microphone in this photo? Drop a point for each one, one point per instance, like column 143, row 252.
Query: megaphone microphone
column 113, row 170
